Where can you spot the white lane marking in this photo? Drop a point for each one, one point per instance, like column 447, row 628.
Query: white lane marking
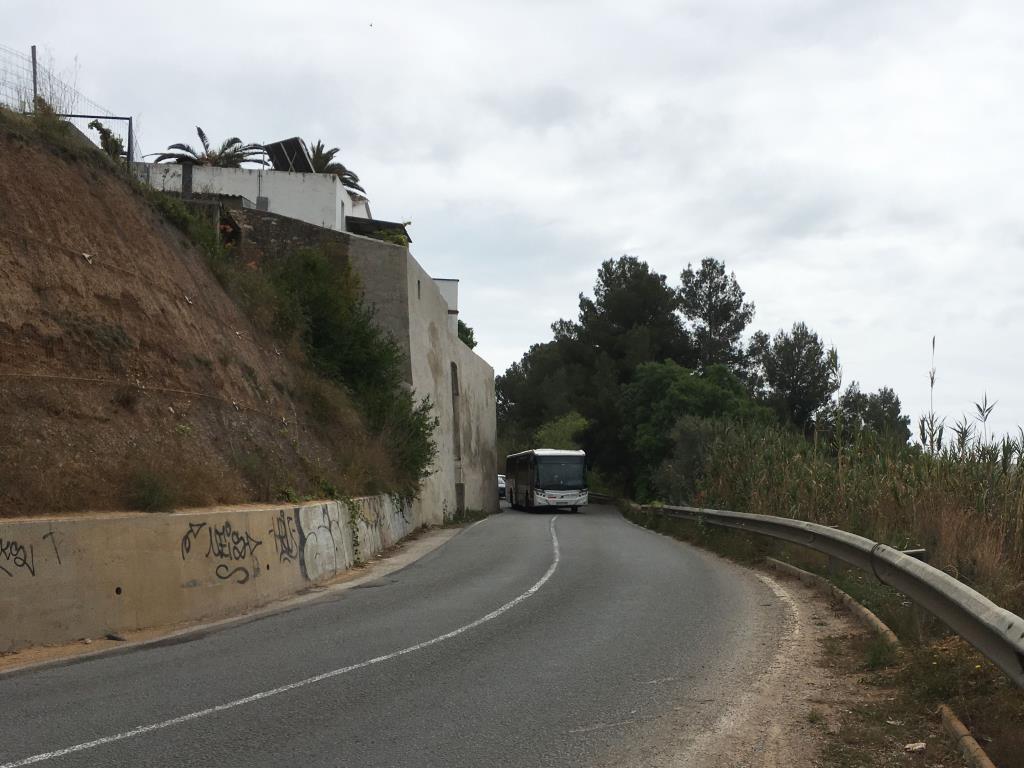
column 43, row 756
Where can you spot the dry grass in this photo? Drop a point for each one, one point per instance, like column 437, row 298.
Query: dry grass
column 964, row 504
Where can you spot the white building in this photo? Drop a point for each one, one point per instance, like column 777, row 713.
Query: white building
column 315, row 198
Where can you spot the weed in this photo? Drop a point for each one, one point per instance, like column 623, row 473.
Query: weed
column 149, row 491
column 465, row 517
column 814, row 717
column 880, row 654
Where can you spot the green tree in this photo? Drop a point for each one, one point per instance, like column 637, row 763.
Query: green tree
column 109, row 143
column 324, row 162
column 230, row 154
column 467, row 335
column 800, row 372
column 563, row 433
column 662, row 393
column 712, row 303
column 880, row 412
column 632, row 318
column 532, row 391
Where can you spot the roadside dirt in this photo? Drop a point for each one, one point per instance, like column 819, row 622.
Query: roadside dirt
column 810, row 703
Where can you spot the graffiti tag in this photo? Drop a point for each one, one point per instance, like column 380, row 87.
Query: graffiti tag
column 286, row 537
column 224, row 543
column 17, row 556
column 323, row 542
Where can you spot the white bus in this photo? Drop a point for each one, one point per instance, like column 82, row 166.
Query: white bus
column 543, row 477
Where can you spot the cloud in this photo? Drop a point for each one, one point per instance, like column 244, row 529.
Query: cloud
column 855, row 163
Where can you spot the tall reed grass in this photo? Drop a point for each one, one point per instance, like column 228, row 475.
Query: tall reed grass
column 963, row 500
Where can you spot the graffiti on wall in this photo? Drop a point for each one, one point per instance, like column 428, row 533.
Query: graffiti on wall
column 233, row 550
column 324, row 549
column 16, row 557
column 284, row 532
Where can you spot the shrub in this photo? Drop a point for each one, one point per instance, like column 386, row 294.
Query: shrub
column 149, row 491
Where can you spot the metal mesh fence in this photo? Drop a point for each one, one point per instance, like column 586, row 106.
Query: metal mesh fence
column 61, row 95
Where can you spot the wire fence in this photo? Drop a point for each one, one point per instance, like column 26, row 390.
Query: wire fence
column 61, row 93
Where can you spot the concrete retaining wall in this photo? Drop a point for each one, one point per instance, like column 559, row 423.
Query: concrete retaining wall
column 66, row 578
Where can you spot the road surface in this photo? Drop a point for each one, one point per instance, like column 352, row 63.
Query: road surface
column 527, row 640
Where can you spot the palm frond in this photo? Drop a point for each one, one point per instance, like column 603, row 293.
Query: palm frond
column 185, row 148
column 203, row 139
column 178, row 157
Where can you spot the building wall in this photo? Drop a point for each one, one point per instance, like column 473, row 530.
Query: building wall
column 315, row 198
column 434, row 347
column 409, row 304
column 450, row 293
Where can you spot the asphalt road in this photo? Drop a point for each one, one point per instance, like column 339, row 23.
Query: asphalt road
column 500, row 648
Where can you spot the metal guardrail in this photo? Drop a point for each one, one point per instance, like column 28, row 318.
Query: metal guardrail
column 994, row 631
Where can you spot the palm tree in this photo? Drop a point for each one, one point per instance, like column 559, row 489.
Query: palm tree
column 231, row 154
column 323, row 162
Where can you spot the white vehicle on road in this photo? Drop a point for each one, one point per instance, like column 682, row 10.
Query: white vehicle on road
column 544, row 477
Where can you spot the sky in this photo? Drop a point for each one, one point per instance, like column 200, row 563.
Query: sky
column 858, row 165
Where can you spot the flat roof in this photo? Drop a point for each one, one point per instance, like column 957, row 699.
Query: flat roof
column 548, row 452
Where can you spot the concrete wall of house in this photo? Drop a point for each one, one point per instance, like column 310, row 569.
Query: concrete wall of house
column 466, row 444
column 409, row 304
column 360, row 207
column 315, row 198
column 84, row 576
column 450, row 292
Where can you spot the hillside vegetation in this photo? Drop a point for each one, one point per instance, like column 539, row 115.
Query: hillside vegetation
column 141, row 368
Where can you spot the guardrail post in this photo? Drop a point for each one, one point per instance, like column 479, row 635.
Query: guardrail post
column 835, row 566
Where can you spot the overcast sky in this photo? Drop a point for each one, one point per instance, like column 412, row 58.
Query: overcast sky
column 857, row 164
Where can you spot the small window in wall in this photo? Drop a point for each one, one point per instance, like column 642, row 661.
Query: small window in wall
column 456, row 431
column 418, row 293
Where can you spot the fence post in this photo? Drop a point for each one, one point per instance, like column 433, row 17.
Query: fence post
column 35, row 80
column 186, row 181
column 130, row 155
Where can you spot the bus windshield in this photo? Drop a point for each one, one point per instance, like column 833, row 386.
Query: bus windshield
column 561, row 473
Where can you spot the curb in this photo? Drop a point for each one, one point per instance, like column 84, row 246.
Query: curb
column 866, row 617
column 971, row 749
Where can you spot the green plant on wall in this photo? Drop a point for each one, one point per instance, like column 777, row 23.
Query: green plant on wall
column 391, row 236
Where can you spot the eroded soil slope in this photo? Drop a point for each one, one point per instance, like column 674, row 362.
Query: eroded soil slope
column 128, row 378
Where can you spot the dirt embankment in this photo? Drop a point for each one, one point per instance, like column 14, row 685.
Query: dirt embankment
column 128, row 378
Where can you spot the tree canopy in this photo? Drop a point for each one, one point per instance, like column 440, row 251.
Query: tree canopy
column 880, row 412
column 712, row 302
column 801, row 373
column 646, row 373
